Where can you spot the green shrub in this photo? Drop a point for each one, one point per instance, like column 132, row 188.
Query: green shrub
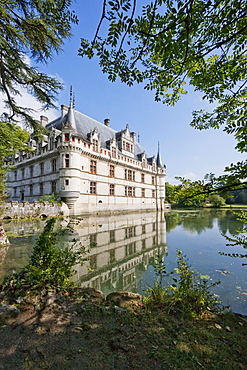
column 49, row 266
column 188, row 294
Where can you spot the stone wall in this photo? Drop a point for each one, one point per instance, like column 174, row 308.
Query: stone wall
column 36, row 209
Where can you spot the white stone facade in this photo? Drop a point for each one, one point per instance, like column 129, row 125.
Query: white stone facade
column 90, row 166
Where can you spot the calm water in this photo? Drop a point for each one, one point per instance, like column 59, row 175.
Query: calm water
column 121, row 250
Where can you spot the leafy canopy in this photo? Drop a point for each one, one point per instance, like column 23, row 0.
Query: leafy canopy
column 29, row 30
column 168, row 44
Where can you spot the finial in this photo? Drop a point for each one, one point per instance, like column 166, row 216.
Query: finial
column 71, row 97
column 73, row 101
column 158, row 146
column 138, row 138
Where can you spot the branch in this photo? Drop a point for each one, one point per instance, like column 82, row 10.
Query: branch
column 210, row 191
column 100, row 22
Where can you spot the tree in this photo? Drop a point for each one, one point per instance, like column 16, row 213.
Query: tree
column 168, row 44
column 217, row 201
column 30, row 29
column 171, row 43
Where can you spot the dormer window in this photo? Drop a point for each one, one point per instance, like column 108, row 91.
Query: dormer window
column 113, row 152
column 95, row 145
column 66, row 137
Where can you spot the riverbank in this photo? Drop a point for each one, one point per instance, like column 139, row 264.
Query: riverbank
column 84, row 331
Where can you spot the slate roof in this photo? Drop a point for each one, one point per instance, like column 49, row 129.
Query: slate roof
column 82, row 125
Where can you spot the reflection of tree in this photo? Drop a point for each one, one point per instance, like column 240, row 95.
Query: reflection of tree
column 172, row 220
column 229, row 223
column 199, row 220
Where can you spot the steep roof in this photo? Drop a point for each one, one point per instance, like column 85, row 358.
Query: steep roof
column 82, row 125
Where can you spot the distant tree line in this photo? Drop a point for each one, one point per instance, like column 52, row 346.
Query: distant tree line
column 186, row 194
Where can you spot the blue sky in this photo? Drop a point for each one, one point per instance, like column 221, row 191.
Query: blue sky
column 185, row 151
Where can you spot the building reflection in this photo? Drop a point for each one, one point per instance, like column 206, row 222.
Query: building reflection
column 121, row 249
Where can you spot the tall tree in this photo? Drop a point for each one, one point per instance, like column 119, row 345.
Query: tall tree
column 30, row 29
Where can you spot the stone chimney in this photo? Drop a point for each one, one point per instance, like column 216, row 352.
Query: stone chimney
column 43, row 120
column 107, row 122
column 64, row 110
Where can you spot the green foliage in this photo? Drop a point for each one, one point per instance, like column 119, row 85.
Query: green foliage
column 187, row 193
column 51, row 198
column 188, row 293
column 217, row 201
column 239, row 239
column 31, row 30
column 168, row 44
column 49, row 266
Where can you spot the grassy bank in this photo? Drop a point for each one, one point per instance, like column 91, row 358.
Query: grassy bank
column 78, row 333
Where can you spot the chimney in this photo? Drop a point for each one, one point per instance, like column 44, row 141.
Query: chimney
column 64, row 110
column 43, row 120
column 107, row 122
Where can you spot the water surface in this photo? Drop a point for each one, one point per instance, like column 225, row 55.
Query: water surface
column 122, row 249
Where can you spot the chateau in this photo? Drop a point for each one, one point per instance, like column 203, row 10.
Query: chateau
column 90, row 166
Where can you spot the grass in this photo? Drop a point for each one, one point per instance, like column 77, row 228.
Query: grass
column 93, row 336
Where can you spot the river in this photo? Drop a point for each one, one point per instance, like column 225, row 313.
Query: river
column 121, row 250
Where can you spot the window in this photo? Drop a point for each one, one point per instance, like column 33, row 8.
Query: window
column 114, row 152
column 112, row 256
column 66, row 182
column 42, row 168
column 130, row 232
column 126, row 174
column 143, row 229
column 54, row 165
column 112, row 189
column 143, row 244
column 143, row 193
column 129, row 191
column 23, row 173
column 130, row 249
column 92, row 166
column 73, row 139
column 112, row 236
column 92, row 187
column 93, row 262
column 142, row 178
column 31, row 171
column 153, row 193
column 67, row 160
column 15, row 192
column 41, row 189
column 152, row 180
column 66, row 137
column 93, row 240
column 31, row 190
column 128, row 147
column 15, row 175
column 95, row 145
column 129, row 175
column 53, row 186
column 112, row 171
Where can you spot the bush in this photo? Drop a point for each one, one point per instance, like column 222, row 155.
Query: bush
column 188, row 294
column 49, row 266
